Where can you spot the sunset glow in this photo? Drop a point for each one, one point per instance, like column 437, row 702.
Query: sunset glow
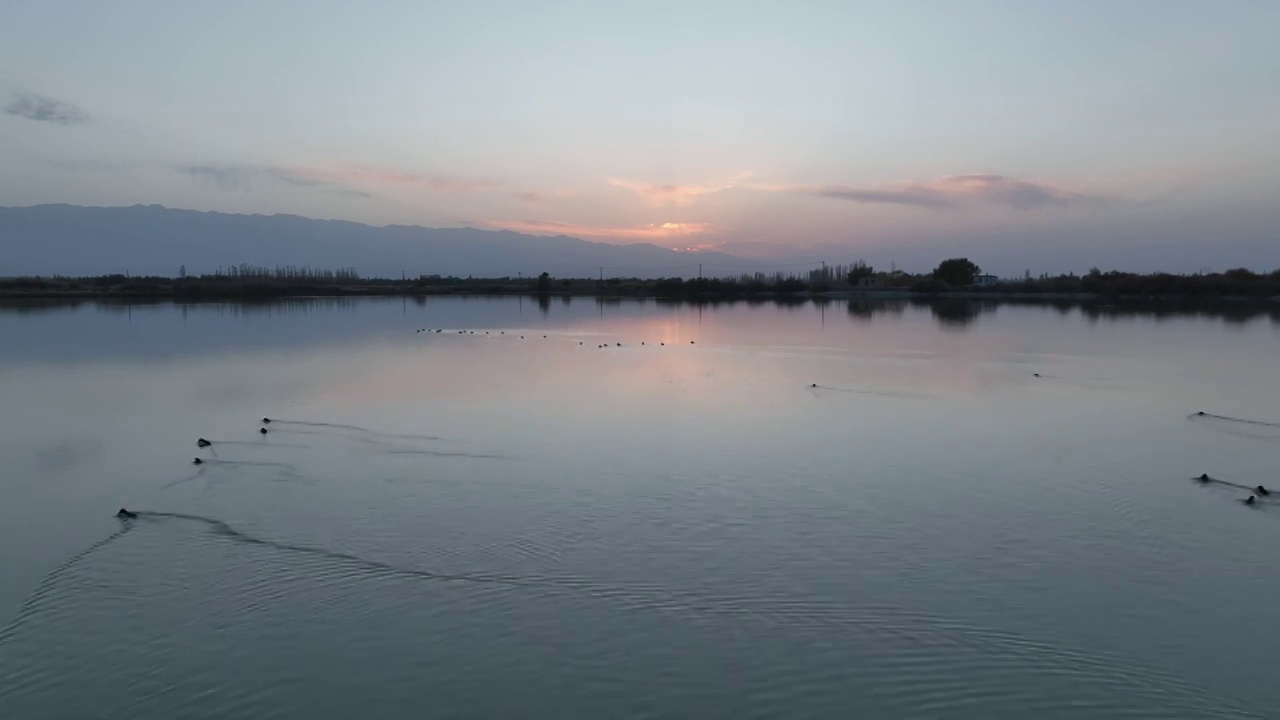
column 762, row 132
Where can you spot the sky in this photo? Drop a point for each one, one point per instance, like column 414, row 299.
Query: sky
column 1050, row 136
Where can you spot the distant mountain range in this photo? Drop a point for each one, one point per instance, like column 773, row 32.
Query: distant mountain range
column 155, row 240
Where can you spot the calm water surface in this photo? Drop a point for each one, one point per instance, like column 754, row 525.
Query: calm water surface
column 490, row 525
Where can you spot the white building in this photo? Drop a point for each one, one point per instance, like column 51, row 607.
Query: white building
column 985, row 280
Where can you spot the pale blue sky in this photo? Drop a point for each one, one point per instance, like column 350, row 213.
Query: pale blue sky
column 1055, row 134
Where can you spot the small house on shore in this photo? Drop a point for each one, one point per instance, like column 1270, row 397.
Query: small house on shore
column 985, row 280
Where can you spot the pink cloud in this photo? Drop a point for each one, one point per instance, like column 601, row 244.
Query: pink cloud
column 953, row 191
column 656, row 231
column 679, row 195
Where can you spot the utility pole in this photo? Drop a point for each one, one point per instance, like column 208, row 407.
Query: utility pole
column 601, row 273
column 699, row 271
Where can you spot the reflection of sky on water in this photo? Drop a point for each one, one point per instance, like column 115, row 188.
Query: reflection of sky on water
column 929, row 458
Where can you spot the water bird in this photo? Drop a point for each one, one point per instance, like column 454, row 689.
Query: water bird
column 619, row 344
column 1200, row 413
column 1204, row 477
column 691, row 342
column 127, row 514
column 814, row 385
column 440, row 331
column 1262, row 490
column 201, row 442
column 661, row 343
column 197, row 461
column 544, row 336
column 1037, row 374
column 1250, row 500
column 521, row 337
column 262, row 430
column 641, row 342
column 266, row 421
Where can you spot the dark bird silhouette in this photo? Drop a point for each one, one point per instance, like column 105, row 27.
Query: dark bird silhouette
column 197, row 461
column 1200, row 413
column 266, row 421
column 1262, row 490
column 262, row 430
column 1250, row 500
column 1037, row 374
column 201, row 442
column 692, row 342
column 814, row 385
column 126, row 514
column 1204, row 477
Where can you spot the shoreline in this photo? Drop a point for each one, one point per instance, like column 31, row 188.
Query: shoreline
column 259, row 294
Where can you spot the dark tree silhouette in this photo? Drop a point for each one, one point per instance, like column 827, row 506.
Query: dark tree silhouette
column 544, row 282
column 860, row 270
column 956, row 271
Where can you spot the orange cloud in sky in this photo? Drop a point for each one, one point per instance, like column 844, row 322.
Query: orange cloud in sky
column 679, row 195
column 656, row 231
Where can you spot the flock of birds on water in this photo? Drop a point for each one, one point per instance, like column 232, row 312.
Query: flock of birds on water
column 1256, row 492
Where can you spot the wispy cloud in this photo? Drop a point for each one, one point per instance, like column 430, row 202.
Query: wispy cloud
column 530, row 197
column 223, row 178
column 343, row 181
column 359, row 174
column 40, row 108
column 678, row 195
column 657, row 231
column 953, row 191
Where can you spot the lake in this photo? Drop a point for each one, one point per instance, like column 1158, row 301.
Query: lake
column 808, row 510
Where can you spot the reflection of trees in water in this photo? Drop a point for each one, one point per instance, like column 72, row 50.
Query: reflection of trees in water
column 866, row 309
column 957, row 313
column 1235, row 313
column 950, row 312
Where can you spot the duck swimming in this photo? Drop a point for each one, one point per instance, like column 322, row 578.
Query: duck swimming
column 201, row 442
column 197, row 461
column 127, row 514
column 262, row 430
column 1250, row 500
column 1204, row 477
column 266, row 421
column 1262, row 490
